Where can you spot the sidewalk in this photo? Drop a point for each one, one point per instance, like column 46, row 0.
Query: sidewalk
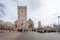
column 11, row 36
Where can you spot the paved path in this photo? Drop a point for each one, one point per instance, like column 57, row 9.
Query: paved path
column 38, row 36
column 9, row 35
column 2, row 34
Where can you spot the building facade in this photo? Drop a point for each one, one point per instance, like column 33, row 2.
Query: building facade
column 39, row 24
column 22, row 17
column 30, row 25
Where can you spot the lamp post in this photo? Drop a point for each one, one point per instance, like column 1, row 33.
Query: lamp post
column 58, row 20
column 58, row 23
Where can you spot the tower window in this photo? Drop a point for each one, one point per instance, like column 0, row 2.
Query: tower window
column 21, row 23
column 21, row 10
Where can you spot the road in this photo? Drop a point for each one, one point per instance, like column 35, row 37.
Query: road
column 38, row 36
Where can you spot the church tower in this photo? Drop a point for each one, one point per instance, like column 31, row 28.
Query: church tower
column 22, row 17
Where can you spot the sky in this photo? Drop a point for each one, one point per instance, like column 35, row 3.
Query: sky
column 45, row 11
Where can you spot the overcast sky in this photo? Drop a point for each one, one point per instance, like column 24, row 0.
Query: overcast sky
column 45, row 11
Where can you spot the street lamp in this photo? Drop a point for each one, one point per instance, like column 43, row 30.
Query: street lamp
column 58, row 20
column 58, row 23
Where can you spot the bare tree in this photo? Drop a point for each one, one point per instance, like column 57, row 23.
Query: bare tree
column 2, row 7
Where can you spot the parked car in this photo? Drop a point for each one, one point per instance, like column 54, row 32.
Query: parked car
column 41, row 31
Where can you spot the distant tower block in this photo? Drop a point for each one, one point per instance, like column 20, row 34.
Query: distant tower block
column 22, row 17
column 39, row 24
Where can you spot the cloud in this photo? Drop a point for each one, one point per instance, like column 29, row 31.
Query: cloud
column 10, row 11
column 38, row 10
column 32, row 4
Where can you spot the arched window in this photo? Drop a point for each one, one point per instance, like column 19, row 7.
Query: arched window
column 21, row 10
column 15, row 26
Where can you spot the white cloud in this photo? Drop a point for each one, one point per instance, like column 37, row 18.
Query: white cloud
column 38, row 10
